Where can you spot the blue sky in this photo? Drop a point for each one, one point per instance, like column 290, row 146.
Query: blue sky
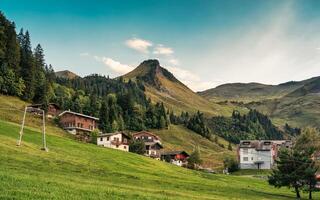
column 204, row 43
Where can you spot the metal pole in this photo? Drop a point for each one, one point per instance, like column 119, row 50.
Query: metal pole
column 44, row 143
column 22, row 126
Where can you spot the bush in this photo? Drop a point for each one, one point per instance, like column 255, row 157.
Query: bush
column 138, row 147
column 231, row 164
column 194, row 160
column 93, row 136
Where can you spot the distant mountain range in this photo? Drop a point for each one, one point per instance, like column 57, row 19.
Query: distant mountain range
column 247, row 92
column 294, row 102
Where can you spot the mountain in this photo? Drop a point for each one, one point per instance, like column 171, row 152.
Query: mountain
column 295, row 102
column 162, row 86
column 247, row 92
column 66, row 74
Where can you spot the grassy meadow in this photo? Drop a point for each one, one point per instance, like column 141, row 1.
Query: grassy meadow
column 181, row 138
column 75, row 170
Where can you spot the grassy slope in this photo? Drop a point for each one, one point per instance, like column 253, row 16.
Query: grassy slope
column 180, row 138
column 301, row 111
column 180, row 98
column 176, row 137
column 175, row 95
column 74, row 170
column 295, row 103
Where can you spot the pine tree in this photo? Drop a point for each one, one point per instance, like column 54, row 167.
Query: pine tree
column 27, row 65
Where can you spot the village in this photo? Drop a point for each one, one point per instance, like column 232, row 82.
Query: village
column 251, row 154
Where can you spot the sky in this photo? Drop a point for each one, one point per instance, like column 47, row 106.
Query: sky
column 203, row 43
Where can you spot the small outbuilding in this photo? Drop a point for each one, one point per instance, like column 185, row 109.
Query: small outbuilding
column 179, row 158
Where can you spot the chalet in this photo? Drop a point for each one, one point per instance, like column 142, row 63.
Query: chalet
column 175, row 157
column 259, row 154
column 53, row 109
column 116, row 140
column 152, row 142
column 76, row 123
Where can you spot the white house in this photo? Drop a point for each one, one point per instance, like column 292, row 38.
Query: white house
column 117, row 140
column 259, row 154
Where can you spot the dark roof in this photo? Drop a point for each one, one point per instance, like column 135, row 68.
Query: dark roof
column 146, row 133
column 153, row 143
column 174, row 153
column 262, row 145
column 115, row 133
column 79, row 114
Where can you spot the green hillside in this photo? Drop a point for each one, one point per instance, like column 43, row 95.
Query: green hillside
column 174, row 138
column 74, row 170
column 181, row 138
column 162, row 86
column 296, row 103
column 248, row 92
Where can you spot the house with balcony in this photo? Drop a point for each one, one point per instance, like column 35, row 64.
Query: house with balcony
column 260, row 154
column 77, row 123
column 152, row 143
column 117, row 140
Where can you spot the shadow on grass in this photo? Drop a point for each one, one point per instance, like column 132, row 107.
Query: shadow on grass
column 272, row 195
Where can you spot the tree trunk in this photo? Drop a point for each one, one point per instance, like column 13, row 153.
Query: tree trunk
column 297, row 192
column 310, row 194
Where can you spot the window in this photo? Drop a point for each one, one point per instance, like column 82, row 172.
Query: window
column 125, row 147
column 117, row 146
column 245, row 158
column 108, row 138
column 245, row 151
column 251, row 158
column 101, row 139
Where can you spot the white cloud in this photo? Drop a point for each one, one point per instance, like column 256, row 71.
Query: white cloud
column 139, row 45
column 116, row 66
column 192, row 80
column 162, row 50
column 174, row 61
column 272, row 51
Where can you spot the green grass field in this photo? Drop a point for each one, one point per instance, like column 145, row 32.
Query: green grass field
column 181, row 138
column 75, row 170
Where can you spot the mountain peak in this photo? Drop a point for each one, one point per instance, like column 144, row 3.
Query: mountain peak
column 151, row 72
column 66, row 74
column 151, row 62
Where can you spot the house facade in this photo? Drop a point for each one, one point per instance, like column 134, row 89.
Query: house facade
column 175, row 157
column 152, row 142
column 259, row 154
column 116, row 140
column 77, row 123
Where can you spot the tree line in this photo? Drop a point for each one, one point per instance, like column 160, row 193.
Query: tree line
column 251, row 126
column 120, row 104
column 195, row 122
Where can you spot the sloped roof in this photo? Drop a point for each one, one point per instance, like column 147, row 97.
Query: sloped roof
column 174, row 153
column 145, row 133
column 79, row 114
column 153, row 143
column 115, row 133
